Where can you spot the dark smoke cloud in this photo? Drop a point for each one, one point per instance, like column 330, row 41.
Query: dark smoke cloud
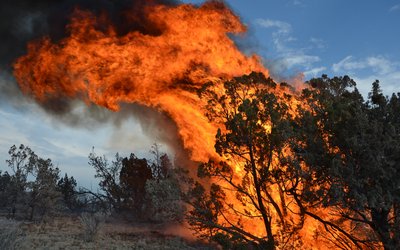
column 22, row 21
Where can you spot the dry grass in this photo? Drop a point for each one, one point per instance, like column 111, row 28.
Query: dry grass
column 10, row 234
column 69, row 233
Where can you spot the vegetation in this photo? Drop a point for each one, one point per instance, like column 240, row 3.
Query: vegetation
column 91, row 224
column 285, row 160
column 256, row 130
column 139, row 188
column 335, row 151
column 358, row 162
column 31, row 191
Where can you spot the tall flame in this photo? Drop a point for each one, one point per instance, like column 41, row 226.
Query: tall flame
column 162, row 70
column 96, row 64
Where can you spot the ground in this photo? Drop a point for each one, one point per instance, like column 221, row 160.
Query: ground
column 69, row 233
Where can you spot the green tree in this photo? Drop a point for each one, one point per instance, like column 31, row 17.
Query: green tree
column 354, row 154
column 164, row 190
column 43, row 194
column 161, row 164
column 32, row 186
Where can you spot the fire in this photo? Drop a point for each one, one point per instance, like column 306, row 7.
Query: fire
column 100, row 67
column 160, row 70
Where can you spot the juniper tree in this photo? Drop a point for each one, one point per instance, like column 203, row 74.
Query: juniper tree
column 354, row 154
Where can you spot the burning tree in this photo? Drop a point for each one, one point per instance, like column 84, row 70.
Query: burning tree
column 254, row 167
column 322, row 166
column 275, row 164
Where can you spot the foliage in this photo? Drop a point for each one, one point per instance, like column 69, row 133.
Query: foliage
column 285, row 163
column 67, row 187
column 5, row 182
column 109, row 178
column 255, row 132
column 134, row 174
column 354, row 154
column 165, row 199
column 91, row 223
column 161, row 165
column 21, row 163
column 143, row 190
column 31, row 189
column 43, row 193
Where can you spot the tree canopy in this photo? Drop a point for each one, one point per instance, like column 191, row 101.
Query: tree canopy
column 325, row 155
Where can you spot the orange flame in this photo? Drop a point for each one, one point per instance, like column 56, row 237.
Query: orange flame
column 162, row 71
column 105, row 69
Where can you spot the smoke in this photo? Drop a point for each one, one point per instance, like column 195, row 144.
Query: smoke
column 23, row 21
column 156, row 124
column 108, row 54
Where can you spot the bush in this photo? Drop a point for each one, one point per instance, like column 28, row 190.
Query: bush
column 165, row 200
column 91, row 223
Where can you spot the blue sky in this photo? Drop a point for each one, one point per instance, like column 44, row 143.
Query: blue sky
column 360, row 38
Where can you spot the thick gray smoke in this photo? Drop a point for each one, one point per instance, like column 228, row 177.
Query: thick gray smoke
column 22, row 21
column 25, row 20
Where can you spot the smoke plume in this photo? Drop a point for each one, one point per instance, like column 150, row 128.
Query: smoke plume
column 24, row 21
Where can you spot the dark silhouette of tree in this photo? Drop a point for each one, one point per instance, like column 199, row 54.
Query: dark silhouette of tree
column 122, row 182
column 67, row 187
column 134, row 174
column 21, row 163
column 108, row 174
column 5, row 182
column 161, row 164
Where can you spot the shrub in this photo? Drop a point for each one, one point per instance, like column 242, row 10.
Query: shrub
column 91, row 223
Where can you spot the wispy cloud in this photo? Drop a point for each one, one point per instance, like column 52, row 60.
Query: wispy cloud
column 288, row 56
column 367, row 70
column 314, row 72
column 295, row 3
column 378, row 64
column 318, row 43
column 283, row 27
column 395, row 7
column 300, row 59
column 389, row 82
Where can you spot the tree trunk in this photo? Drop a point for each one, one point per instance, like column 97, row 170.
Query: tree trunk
column 382, row 227
column 267, row 222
